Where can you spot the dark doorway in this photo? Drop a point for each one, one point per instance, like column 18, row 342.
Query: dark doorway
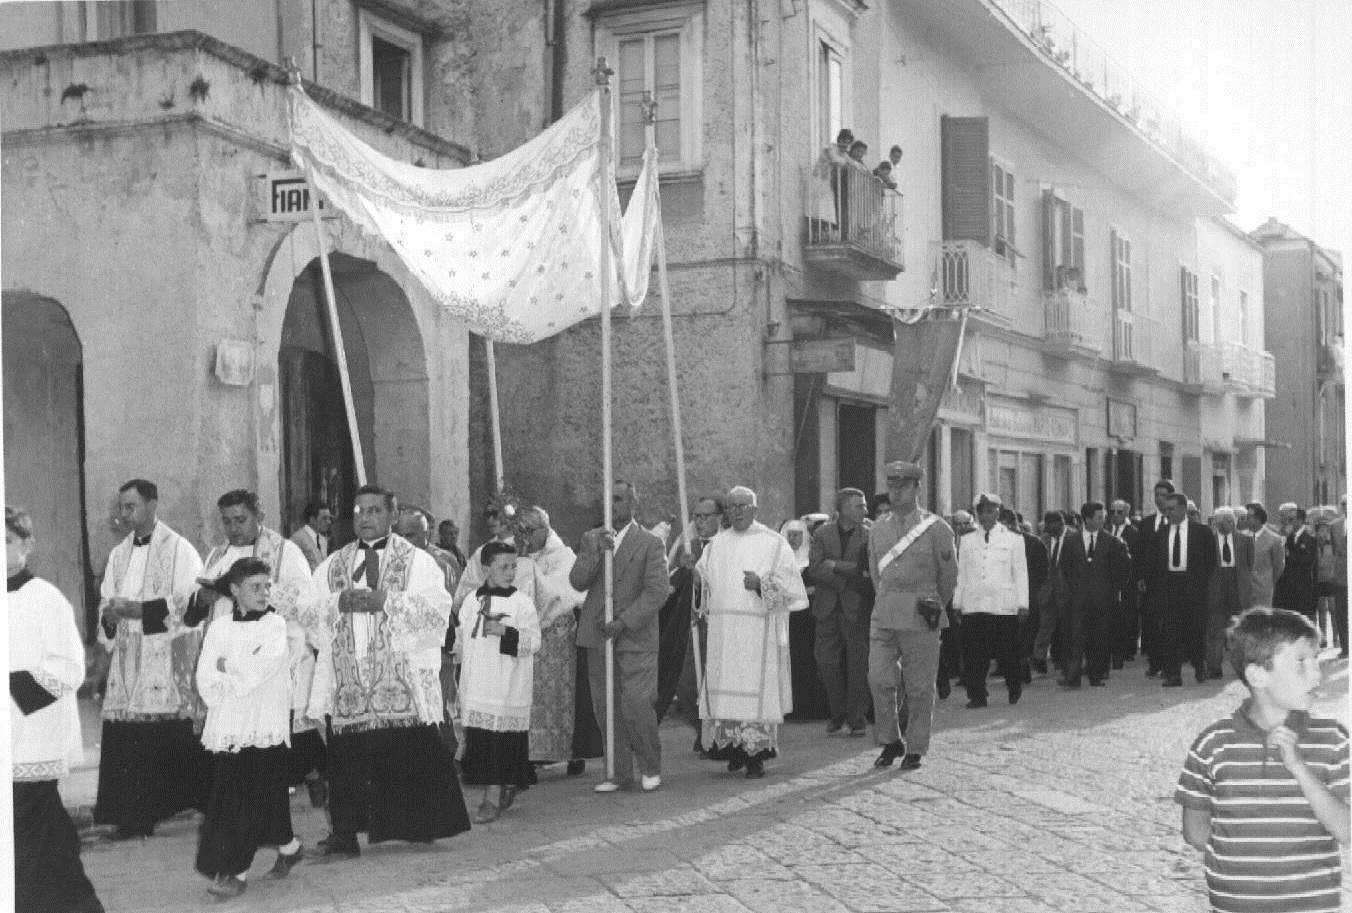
column 316, row 449
column 857, row 447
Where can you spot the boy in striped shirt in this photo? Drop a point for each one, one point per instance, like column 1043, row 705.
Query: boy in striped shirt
column 1265, row 791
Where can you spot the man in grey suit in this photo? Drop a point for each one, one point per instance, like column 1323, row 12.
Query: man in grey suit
column 640, row 588
column 838, row 565
column 1231, row 586
column 313, row 537
column 1269, row 556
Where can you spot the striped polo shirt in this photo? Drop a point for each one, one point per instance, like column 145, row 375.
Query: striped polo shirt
column 1268, row 853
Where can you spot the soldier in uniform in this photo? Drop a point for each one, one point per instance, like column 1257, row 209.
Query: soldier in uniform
column 914, row 568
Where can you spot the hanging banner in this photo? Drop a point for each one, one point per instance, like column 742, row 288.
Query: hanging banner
column 512, row 246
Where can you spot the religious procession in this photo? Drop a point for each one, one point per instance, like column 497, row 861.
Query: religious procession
column 493, row 455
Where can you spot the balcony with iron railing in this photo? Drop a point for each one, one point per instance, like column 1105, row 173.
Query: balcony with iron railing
column 1063, row 43
column 853, row 223
column 970, row 274
column 1229, row 367
column 1132, row 343
column 1072, row 323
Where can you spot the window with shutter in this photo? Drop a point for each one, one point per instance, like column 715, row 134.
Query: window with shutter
column 1002, row 211
column 1187, row 289
column 1120, row 247
column 966, row 198
column 1062, row 244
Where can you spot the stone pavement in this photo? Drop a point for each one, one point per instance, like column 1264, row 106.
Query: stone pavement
column 1063, row 803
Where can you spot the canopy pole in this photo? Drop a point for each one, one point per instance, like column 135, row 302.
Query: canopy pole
column 650, row 111
column 602, row 74
column 344, row 378
column 496, row 415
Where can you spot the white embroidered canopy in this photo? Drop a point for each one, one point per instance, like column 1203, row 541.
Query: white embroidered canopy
column 513, row 246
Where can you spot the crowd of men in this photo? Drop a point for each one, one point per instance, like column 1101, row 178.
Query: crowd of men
column 902, row 604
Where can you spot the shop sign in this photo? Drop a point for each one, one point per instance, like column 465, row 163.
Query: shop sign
column 869, row 377
column 284, row 196
column 822, row 356
column 1121, row 420
column 1041, row 423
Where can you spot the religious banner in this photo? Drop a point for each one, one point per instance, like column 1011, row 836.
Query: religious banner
column 922, row 364
column 512, row 246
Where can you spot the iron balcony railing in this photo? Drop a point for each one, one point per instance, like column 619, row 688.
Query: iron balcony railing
column 970, row 274
column 1072, row 320
column 1057, row 37
column 1229, row 367
column 850, row 207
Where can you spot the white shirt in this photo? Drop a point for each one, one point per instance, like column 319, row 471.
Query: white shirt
column 134, row 581
column 992, row 574
column 1089, row 542
column 1055, row 547
column 1178, row 533
column 619, row 537
column 1222, row 539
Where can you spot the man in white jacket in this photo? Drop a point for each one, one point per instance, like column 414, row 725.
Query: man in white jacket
column 992, row 597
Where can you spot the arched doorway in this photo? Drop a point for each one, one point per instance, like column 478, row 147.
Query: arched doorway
column 44, row 440
column 388, row 370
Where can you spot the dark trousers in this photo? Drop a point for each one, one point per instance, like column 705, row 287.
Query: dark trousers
column 1183, row 626
column 150, row 771
column 1340, row 617
column 1125, row 625
column 985, row 638
column 1152, row 627
column 841, row 652
column 950, row 649
column 48, row 876
column 1088, row 642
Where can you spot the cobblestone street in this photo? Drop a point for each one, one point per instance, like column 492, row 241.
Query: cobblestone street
column 1062, row 803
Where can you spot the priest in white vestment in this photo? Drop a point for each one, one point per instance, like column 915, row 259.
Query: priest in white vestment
column 151, row 765
column 751, row 583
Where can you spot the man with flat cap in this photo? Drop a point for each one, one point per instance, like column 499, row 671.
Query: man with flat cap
column 914, row 568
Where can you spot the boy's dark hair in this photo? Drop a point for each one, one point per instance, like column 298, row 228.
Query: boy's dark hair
column 239, row 571
column 492, row 549
column 1053, row 516
column 1165, row 484
column 1089, row 508
column 1258, row 633
column 1259, row 511
column 147, row 490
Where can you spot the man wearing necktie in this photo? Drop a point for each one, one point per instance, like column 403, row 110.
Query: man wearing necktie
column 992, row 598
column 1185, row 563
column 1053, row 596
column 1128, row 628
column 1146, row 564
column 1231, row 588
column 1097, row 568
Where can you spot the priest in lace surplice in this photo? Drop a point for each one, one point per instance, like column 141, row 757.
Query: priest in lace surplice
column 151, row 765
column 751, row 583
column 379, row 609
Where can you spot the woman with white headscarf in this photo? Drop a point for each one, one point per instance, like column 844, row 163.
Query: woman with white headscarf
column 796, row 532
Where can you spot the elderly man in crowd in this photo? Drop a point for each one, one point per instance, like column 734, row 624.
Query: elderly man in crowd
column 751, row 584
column 554, row 683
column 414, row 526
column 841, row 606
column 914, row 569
column 1295, row 588
column 1231, row 587
column 992, row 598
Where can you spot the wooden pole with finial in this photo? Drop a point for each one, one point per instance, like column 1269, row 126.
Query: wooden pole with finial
column 602, row 74
column 339, row 351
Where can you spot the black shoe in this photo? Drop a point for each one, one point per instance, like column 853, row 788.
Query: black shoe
column 1117, row 665
column 1175, row 681
column 1215, row 673
column 891, row 751
column 1040, row 666
column 577, row 767
column 976, row 703
column 1097, row 682
column 737, row 760
column 228, row 886
column 1200, row 676
column 334, row 849
column 755, row 769
column 836, row 724
column 1014, row 696
column 910, row 762
column 943, row 687
column 319, row 792
column 284, row 864
column 1068, row 682
column 718, row 754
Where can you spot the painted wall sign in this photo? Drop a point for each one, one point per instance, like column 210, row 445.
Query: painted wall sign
column 1041, row 423
column 284, row 196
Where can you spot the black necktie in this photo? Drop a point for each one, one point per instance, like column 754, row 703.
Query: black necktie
column 1093, row 540
column 1056, row 553
column 370, row 563
column 1177, row 550
column 988, row 535
column 1225, row 551
column 138, row 541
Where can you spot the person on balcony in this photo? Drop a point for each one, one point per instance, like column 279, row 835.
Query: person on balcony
column 827, row 212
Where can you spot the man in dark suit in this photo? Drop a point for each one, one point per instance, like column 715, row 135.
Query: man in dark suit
column 1097, row 568
column 1185, row 562
column 1035, row 557
column 1143, row 560
column 1230, row 588
column 841, row 608
column 1125, row 628
column 640, row 587
column 1295, row 589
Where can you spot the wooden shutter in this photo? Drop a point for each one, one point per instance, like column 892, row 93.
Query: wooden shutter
column 1077, row 244
column 965, row 143
column 1048, row 241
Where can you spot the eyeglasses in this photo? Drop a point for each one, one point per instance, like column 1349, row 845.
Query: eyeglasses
column 708, row 516
column 738, row 506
